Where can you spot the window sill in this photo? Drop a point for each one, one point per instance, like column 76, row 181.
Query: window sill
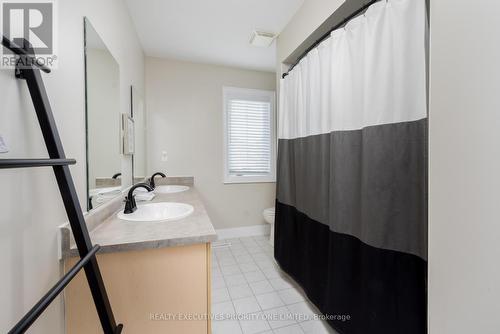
column 249, row 179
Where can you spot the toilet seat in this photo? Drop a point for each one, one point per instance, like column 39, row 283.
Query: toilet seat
column 269, row 215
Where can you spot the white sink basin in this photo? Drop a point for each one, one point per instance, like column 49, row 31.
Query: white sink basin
column 111, row 191
column 158, row 212
column 170, row 189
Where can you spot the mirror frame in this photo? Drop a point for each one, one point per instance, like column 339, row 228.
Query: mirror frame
column 85, row 67
column 132, row 115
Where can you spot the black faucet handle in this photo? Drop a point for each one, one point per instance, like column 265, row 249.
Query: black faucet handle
column 130, row 204
column 152, row 178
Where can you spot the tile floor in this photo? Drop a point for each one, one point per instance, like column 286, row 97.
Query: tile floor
column 250, row 294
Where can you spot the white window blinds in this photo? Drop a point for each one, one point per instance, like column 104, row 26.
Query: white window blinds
column 249, row 135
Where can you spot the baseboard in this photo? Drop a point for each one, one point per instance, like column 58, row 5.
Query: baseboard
column 241, row 232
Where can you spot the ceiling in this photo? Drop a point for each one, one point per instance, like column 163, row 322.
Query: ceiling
column 211, row 31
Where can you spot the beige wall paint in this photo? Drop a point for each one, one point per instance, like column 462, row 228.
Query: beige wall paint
column 464, row 178
column 184, row 106
column 30, row 204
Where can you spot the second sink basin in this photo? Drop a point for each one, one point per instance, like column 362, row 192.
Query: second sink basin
column 158, row 212
column 170, row 189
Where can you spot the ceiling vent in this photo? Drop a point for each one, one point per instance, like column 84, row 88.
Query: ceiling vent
column 262, row 38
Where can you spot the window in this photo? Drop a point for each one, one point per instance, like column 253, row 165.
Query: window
column 249, row 136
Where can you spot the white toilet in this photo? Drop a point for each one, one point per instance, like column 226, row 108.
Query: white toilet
column 269, row 218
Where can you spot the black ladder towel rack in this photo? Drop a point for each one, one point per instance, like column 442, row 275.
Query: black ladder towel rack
column 28, row 68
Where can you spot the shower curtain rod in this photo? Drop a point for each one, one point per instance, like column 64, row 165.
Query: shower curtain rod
column 356, row 13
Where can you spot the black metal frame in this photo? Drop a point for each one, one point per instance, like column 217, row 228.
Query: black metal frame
column 23, row 163
column 45, row 301
column 67, row 189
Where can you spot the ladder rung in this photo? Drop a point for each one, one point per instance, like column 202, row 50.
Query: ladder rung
column 54, row 146
column 23, row 163
column 45, row 301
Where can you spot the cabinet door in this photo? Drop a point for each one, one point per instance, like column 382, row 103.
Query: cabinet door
column 151, row 291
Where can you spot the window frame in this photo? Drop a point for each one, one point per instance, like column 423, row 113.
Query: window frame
column 251, row 95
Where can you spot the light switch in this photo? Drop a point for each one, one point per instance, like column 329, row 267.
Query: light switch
column 164, row 156
column 3, row 145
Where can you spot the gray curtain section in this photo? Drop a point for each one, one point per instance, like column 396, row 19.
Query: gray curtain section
column 369, row 183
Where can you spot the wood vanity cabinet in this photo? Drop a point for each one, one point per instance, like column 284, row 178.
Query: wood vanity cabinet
column 150, row 291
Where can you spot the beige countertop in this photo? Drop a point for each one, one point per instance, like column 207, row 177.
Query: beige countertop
column 115, row 235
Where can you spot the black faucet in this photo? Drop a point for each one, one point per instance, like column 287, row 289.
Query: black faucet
column 116, row 176
column 130, row 205
column 152, row 179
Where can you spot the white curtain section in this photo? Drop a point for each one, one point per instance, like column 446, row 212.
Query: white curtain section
column 371, row 72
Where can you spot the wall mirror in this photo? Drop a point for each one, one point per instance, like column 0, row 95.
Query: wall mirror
column 139, row 117
column 103, row 123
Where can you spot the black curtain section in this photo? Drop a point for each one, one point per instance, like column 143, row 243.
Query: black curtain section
column 381, row 291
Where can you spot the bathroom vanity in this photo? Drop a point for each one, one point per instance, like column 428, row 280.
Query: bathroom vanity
column 157, row 274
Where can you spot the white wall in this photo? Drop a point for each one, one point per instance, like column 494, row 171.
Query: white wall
column 185, row 109
column 464, row 171
column 30, row 204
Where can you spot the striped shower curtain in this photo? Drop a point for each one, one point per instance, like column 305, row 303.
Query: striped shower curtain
column 351, row 208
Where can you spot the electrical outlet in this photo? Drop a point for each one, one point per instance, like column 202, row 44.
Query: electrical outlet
column 3, row 145
column 164, row 156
